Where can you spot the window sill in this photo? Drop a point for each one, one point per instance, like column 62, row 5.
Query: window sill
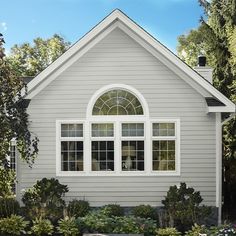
column 118, row 174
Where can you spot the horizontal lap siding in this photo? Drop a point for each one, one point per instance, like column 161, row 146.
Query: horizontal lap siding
column 118, row 59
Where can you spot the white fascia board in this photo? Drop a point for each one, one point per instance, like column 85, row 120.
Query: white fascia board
column 174, row 59
column 81, row 44
column 89, row 40
column 227, row 109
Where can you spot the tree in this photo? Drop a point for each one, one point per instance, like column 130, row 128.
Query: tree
column 216, row 37
column 13, row 116
column 27, row 60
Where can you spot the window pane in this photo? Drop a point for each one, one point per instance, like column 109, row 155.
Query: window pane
column 102, row 156
column 13, row 157
column 102, row 130
column 163, row 129
column 117, row 102
column 163, row 155
column 72, row 155
column 132, row 155
column 132, row 129
column 71, row 130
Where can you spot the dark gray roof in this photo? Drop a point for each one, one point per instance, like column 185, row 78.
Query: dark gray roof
column 213, row 102
column 27, row 79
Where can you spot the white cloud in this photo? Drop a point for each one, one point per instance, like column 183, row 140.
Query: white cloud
column 3, row 26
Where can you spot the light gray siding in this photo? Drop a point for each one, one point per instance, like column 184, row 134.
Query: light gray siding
column 118, row 59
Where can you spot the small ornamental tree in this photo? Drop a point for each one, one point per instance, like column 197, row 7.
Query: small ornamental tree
column 13, row 116
column 45, row 199
column 182, row 205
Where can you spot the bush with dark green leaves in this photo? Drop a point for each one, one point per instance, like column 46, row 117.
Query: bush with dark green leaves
column 78, row 208
column 112, row 210
column 42, row 227
column 97, row 222
column 145, row 211
column 45, row 199
column 9, row 206
column 13, row 225
column 183, row 208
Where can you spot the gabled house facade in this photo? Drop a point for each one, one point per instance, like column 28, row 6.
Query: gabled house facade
column 120, row 119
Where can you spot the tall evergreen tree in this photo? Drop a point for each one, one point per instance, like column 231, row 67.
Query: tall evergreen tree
column 216, row 37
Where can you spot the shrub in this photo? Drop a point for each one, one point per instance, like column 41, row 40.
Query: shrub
column 182, row 205
column 13, row 225
column 144, row 211
column 9, row 206
column 112, row 210
column 7, row 180
column 78, row 208
column 168, row 232
column 68, row 227
column 98, row 222
column 226, row 230
column 41, row 227
column 197, row 230
column 44, row 199
column 134, row 225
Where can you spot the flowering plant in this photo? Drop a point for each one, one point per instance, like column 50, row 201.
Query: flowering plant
column 227, row 231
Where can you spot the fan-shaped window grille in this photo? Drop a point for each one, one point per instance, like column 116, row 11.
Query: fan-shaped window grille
column 117, row 102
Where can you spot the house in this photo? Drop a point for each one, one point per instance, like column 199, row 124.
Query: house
column 120, row 119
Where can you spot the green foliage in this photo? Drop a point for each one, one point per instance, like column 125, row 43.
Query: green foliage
column 13, row 116
column 182, row 205
column 7, row 179
column 196, row 230
column 68, row 227
column 13, row 225
column 9, row 206
column 42, row 227
column 98, row 222
column 193, row 44
column 78, row 208
column 112, row 210
column 44, row 199
column 168, row 232
column 29, row 60
column 144, row 211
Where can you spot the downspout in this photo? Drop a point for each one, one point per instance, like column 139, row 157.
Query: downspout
column 219, row 128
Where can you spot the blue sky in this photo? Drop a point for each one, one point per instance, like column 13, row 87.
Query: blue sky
column 23, row 20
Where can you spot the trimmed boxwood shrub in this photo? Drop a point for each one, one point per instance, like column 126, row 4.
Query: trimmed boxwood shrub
column 144, row 211
column 78, row 208
column 112, row 210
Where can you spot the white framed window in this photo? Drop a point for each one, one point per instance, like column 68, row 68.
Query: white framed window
column 118, row 138
column 102, row 147
column 132, row 146
column 165, row 146
column 70, row 146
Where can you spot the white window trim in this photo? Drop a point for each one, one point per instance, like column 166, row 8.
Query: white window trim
column 59, row 172
column 117, row 121
column 176, row 172
column 109, row 87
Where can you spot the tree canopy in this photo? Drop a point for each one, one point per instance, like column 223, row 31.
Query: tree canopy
column 29, row 60
column 216, row 38
column 13, row 116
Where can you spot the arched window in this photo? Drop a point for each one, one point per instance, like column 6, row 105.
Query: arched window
column 118, row 138
column 117, row 102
